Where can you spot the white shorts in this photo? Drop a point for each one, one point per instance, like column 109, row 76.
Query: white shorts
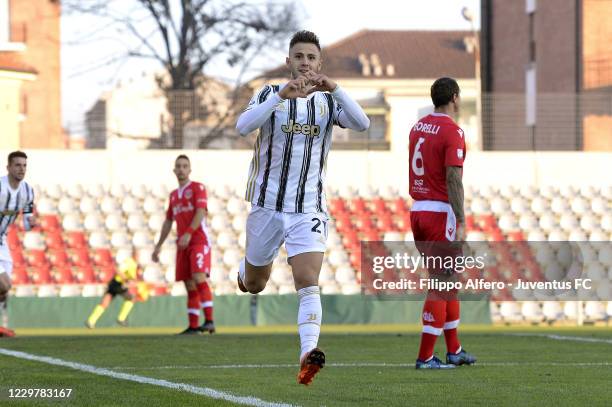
column 266, row 230
column 6, row 261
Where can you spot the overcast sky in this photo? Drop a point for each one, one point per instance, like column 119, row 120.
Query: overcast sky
column 332, row 20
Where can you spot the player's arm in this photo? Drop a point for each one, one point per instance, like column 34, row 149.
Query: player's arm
column 256, row 114
column 195, row 223
column 454, row 186
column 28, row 212
column 165, row 231
column 349, row 114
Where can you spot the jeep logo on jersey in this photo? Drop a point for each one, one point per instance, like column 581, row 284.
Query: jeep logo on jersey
column 305, row 129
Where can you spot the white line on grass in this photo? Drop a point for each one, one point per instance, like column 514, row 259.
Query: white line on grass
column 204, row 391
column 381, row 364
column 564, row 338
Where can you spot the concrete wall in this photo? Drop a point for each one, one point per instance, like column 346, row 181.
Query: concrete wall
column 359, row 169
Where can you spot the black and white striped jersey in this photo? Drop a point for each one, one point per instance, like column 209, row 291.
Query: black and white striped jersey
column 13, row 202
column 287, row 172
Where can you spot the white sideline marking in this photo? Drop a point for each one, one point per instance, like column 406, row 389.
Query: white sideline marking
column 382, row 364
column 204, row 391
column 565, row 338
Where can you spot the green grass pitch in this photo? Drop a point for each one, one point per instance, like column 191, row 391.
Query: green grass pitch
column 367, row 365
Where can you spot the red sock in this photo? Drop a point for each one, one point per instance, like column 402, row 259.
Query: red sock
column 206, row 298
column 450, row 327
column 193, row 308
column 434, row 315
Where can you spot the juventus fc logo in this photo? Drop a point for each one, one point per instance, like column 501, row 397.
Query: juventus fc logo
column 312, row 317
column 305, row 129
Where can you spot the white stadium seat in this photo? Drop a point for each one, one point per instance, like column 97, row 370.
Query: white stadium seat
column 24, row 291
column 136, row 221
column 33, row 240
column 114, row 222
column 46, row 206
column 109, row 205
column 552, row 310
column 47, row 290
column 120, row 239
column 140, row 191
column 72, row 222
column 54, row 191
column 70, row 290
column 599, row 205
column 152, row 205
column 75, row 191
column 88, row 205
column 570, row 309
column 131, row 205
column 345, row 275
column 532, row 312
column 66, row 205
column 510, row 311
column 117, row 191
column 98, row 240
column 152, row 274
column 143, row 256
column 142, row 239
column 594, row 311
column 93, row 222
column 178, row 289
column 93, row 290
column 96, row 191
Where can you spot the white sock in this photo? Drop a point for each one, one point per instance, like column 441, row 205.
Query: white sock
column 242, row 270
column 309, row 318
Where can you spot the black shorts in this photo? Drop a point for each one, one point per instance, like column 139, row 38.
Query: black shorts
column 116, row 288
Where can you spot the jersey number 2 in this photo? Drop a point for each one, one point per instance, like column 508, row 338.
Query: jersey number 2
column 417, row 158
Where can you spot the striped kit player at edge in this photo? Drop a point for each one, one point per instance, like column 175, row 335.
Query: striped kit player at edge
column 286, row 183
column 16, row 197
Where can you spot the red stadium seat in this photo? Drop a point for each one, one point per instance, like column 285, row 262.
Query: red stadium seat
column 58, row 257
column 36, row 258
column 80, row 257
column 41, row 275
column 76, row 240
column 54, row 240
column 104, row 274
column 84, row 275
column 50, row 223
column 103, row 257
column 20, row 274
column 63, row 275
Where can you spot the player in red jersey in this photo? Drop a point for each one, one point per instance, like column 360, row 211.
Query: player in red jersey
column 437, row 152
column 188, row 207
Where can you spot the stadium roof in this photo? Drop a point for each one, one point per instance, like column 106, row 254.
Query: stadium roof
column 398, row 54
column 11, row 61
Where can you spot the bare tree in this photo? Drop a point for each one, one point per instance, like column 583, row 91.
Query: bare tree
column 185, row 36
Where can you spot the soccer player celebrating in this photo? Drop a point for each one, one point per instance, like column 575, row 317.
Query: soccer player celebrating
column 188, row 207
column 128, row 270
column 286, row 183
column 16, row 197
column 437, row 152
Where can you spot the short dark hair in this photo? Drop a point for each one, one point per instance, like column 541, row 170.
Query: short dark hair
column 443, row 90
column 16, row 154
column 305, row 36
column 182, row 156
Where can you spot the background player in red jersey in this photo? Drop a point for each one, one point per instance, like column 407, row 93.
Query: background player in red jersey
column 437, row 152
column 188, row 207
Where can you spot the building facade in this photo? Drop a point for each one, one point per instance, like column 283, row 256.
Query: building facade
column 30, row 42
column 547, row 74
